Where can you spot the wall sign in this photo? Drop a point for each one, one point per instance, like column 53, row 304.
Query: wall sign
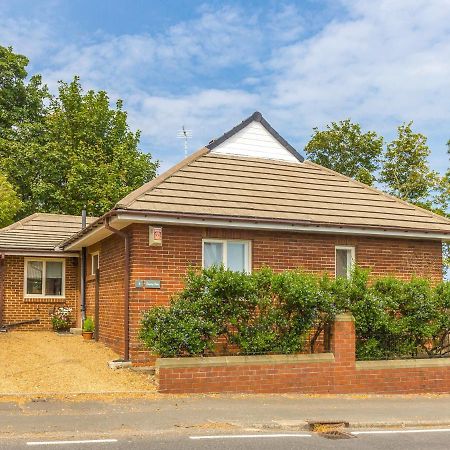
column 155, row 236
column 153, row 284
column 148, row 284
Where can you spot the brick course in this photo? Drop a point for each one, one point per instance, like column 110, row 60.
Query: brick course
column 338, row 377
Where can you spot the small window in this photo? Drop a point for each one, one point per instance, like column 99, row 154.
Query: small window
column 44, row 278
column 233, row 255
column 345, row 260
column 95, row 263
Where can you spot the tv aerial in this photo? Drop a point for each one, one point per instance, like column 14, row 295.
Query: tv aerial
column 186, row 135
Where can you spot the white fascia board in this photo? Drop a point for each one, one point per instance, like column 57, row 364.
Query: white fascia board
column 255, row 225
column 97, row 234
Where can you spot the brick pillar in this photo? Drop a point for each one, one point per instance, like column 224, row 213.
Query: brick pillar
column 343, row 348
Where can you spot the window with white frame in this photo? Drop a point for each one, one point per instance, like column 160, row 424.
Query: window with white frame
column 232, row 254
column 345, row 260
column 44, row 277
column 95, row 262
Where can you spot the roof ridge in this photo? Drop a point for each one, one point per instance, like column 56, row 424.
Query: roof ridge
column 380, row 192
column 134, row 195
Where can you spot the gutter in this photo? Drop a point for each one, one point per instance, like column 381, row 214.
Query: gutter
column 258, row 224
column 277, row 224
column 126, row 282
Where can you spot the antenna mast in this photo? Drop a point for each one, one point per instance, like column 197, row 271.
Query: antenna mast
column 185, row 134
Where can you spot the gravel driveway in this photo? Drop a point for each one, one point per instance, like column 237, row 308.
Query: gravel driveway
column 44, row 362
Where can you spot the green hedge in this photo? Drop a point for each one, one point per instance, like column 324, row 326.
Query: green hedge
column 267, row 312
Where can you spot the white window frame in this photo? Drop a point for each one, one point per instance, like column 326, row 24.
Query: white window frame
column 92, row 262
column 352, row 262
column 44, row 274
column 248, row 253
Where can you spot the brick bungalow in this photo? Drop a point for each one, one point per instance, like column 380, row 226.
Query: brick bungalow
column 36, row 275
column 246, row 200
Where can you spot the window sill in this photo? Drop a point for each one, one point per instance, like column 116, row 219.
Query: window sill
column 32, row 299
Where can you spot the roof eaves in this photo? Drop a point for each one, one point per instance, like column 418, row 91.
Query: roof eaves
column 383, row 194
column 202, row 217
column 85, row 230
column 256, row 117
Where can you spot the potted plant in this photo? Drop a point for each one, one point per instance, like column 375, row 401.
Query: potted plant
column 88, row 328
column 61, row 320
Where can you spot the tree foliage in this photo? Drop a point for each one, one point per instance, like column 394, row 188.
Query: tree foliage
column 9, row 202
column 21, row 102
column 67, row 151
column 343, row 147
column 405, row 172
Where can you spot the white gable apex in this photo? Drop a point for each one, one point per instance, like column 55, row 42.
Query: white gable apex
column 255, row 141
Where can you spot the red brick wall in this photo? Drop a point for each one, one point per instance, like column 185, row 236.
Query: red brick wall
column 182, row 248
column 16, row 308
column 340, row 376
column 111, row 291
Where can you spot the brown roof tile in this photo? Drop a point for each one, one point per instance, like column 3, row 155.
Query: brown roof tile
column 40, row 232
column 228, row 185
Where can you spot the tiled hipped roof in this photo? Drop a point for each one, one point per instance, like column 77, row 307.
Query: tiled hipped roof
column 235, row 186
column 40, row 232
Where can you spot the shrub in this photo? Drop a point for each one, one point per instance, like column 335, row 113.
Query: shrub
column 60, row 318
column 88, row 325
column 262, row 312
column 267, row 312
column 398, row 319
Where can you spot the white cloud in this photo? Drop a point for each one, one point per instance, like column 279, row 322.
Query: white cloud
column 388, row 62
column 378, row 62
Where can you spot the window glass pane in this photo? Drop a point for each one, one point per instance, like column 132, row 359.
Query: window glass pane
column 236, row 256
column 34, row 277
column 213, row 254
column 343, row 258
column 53, row 278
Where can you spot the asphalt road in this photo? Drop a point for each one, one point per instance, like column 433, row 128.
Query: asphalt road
column 397, row 439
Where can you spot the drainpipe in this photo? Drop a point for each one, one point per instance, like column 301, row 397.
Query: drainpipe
column 83, row 271
column 2, row 286
column 126, row 282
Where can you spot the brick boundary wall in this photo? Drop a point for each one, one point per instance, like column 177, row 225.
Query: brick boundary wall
column 326, row 373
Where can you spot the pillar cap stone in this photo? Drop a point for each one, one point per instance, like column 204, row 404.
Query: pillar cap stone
column 344, row 317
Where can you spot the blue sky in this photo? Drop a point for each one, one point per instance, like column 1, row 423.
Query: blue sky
column 208, row 65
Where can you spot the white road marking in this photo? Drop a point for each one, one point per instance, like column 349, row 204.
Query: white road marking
column 87, row 441
column 430, row 430
column 248, row 436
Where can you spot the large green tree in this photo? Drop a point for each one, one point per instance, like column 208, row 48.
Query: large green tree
column 68, row 151
column 89, row 156
column 22, row 112
column 405, row 169
column 9, row 202
column 21, row 101
column 343, row 147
